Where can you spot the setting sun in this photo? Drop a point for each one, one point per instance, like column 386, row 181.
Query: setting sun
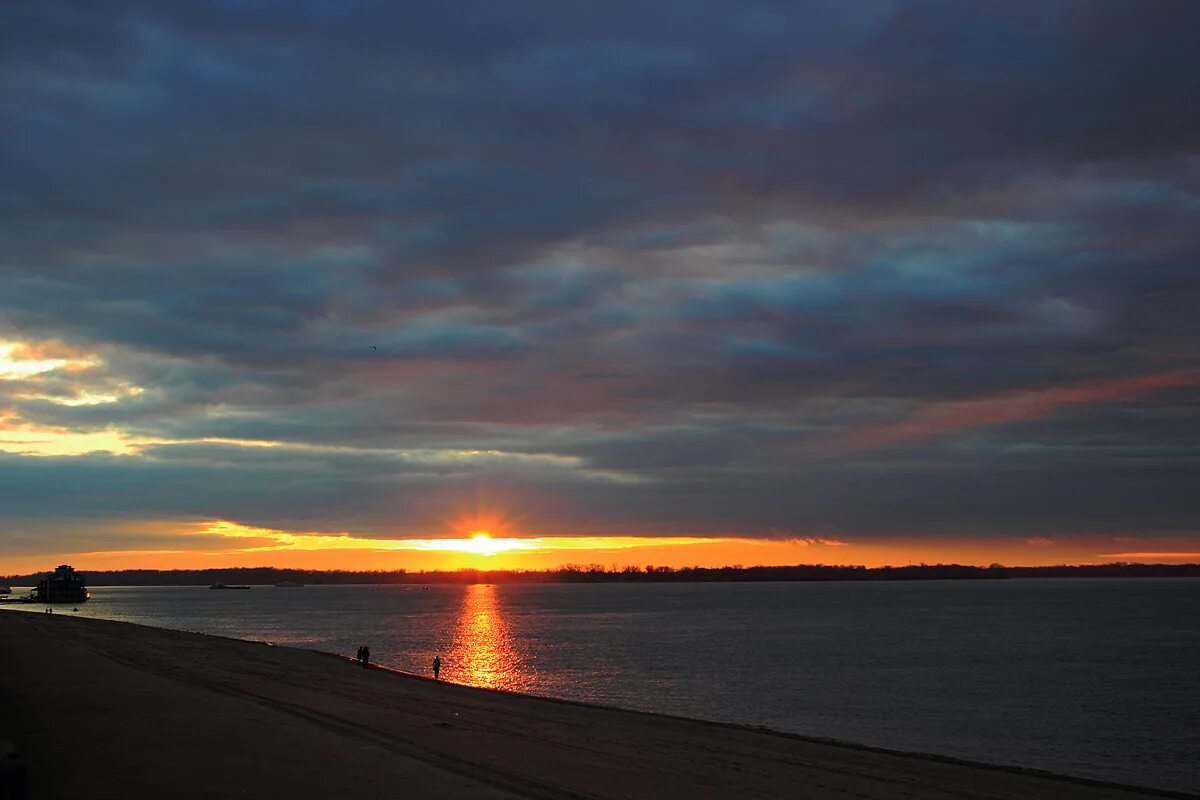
column 481, row 543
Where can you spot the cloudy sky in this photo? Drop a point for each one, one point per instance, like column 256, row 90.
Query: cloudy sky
column 327, row 282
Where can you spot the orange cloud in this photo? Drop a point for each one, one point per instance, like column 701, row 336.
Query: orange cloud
column 1143, row 556
column 25, row 360
column 47, row 350
column 955, row 415
column 479, row 543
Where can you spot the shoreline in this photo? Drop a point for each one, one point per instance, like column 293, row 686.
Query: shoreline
column 768, row 731
column 634, row 751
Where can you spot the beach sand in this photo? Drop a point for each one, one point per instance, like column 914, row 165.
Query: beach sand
column 106, row 710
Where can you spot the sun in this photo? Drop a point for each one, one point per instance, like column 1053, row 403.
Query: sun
column 481, row 543
column 486, row 532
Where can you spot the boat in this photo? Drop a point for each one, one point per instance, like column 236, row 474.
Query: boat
column 219, row 585
column 289, row 585
column 5, row 590
column 64, row 585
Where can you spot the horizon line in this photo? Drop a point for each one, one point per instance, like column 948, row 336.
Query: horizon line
column 648, row 569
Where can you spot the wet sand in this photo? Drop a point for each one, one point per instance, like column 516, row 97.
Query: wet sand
column 107, row 710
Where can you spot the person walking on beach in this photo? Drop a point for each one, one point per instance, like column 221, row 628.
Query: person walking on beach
column 437, row 667
column 358, row 655
column 366, row 656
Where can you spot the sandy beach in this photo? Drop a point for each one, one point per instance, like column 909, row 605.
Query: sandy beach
column 102, row 709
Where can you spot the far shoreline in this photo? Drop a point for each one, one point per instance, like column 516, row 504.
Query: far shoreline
column 596, row 574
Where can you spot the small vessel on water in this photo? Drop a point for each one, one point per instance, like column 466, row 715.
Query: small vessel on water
column 289, row 585
column 64, row 585
column 219, row 585
column 5, row 590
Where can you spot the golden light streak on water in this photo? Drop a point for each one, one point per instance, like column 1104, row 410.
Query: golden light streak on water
column 483, row 651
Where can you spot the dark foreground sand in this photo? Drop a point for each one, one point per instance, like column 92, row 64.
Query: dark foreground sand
column 107, row 710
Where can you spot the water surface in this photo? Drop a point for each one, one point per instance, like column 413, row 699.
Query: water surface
column 1092, row 677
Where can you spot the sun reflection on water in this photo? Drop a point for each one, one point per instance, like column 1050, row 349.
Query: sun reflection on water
column 484, row 651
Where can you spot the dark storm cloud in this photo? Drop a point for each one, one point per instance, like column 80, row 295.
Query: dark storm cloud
column 701, row 249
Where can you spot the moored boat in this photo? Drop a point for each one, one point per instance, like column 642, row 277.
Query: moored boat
column 219, row 585
column 64, row 585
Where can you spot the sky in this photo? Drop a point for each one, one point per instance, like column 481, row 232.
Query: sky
column 344, row 284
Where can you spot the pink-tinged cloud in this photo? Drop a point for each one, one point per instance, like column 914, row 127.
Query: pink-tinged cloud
column 1143, row 556
column 1039, row 541
column 939, row 418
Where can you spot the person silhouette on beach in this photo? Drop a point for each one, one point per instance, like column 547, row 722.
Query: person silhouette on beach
column 358, row 655
column 366, row 656
column 437, row 667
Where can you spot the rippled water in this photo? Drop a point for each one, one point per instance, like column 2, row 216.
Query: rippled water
column 1087, row 677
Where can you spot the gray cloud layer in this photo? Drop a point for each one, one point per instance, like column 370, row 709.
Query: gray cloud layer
column 667, row 260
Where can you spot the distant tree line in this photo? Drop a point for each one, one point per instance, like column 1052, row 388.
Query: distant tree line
column 596, row 573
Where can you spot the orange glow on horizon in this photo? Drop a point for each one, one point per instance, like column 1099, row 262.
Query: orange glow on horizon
column 221, row 543
column 479, row 543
